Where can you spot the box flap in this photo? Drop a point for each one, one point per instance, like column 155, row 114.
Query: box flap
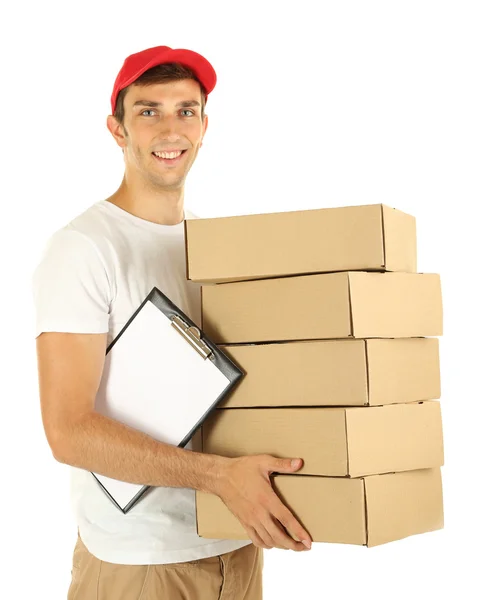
column 403, row 504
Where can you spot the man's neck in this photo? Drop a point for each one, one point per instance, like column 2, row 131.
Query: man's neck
column 165, row 208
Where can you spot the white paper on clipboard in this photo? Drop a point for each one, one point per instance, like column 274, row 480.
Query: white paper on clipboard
column 156, row 382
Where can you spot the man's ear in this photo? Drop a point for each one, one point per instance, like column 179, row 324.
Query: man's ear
column 116, row 130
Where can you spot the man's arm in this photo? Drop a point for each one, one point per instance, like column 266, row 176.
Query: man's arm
column 70, row 366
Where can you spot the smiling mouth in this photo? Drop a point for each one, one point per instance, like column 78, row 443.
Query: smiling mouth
column 169, row 161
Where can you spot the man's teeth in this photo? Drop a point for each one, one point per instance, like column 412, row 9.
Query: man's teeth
column 168, row 154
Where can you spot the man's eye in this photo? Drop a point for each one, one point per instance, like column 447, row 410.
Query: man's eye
column 185, row 110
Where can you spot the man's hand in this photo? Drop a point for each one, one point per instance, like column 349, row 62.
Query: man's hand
column 244, row 486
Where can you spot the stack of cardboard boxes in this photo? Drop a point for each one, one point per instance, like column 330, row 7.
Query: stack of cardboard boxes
column 325, row 313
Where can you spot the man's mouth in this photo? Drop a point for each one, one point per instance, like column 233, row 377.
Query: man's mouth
column 169, row 158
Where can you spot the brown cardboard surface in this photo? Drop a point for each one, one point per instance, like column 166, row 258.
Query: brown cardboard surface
column 395, row 304
column 330, row 508
column 419, row 508
column 325, row 306
column 403, row 369
column 369, row 237
column 399, row 437
column 368, row 511
column 196, row 440
column 399, row 233
column 352, row 441
column 350, row 372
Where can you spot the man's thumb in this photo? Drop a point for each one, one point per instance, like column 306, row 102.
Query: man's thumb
column 284, row 465
column 292, row 464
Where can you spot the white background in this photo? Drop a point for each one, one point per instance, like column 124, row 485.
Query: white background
column 317, row 104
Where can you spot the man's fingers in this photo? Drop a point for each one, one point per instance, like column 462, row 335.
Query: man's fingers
column 265, row 534
column 292, row 525
column 280, row 537
column 255, row 537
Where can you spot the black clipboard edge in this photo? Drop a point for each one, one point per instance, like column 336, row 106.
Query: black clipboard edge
column 218, row 357
column 131, row 503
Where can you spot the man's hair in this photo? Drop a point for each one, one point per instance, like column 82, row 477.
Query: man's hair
column 160, row 74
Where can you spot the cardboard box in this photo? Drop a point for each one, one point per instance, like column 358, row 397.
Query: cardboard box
column 341, row 442
column 351, row 372
column 363, row 238
column 354, row 304
column 367, row 511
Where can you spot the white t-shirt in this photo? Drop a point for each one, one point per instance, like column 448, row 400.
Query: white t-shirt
column 92, row 276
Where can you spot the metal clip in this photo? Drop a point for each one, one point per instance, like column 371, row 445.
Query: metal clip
column 191, row 335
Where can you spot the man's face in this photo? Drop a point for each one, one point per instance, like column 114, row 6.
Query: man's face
column 163, row 118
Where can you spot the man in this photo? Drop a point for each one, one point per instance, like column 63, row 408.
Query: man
column 93, row 274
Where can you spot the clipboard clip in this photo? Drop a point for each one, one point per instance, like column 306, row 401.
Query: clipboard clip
column 191, row 335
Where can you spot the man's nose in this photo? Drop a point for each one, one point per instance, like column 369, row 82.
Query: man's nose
column 169, row 125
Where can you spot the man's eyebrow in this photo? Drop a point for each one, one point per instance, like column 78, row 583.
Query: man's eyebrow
column 151, row 104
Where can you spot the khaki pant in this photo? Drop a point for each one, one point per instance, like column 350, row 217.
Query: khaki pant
column 235, row 575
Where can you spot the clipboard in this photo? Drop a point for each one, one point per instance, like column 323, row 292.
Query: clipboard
column 161, row 376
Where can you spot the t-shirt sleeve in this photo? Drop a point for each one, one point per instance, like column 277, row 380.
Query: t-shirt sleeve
column 71, row 287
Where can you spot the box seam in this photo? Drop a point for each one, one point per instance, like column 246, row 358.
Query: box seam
column 383, row 238
column 368, row 389
column 348, row 474
column 366, row 516
column 186, row 251
column 201, row 308
column 196, row 515
column 350, row 306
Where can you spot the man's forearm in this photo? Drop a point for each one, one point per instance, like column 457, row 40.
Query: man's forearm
column 107, row 447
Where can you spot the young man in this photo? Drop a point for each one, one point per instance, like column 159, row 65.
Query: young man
column 93, row 274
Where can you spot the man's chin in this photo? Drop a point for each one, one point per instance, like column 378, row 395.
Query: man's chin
column 170, row 183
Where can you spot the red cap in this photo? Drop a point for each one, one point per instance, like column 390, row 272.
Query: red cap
column 136, row 64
